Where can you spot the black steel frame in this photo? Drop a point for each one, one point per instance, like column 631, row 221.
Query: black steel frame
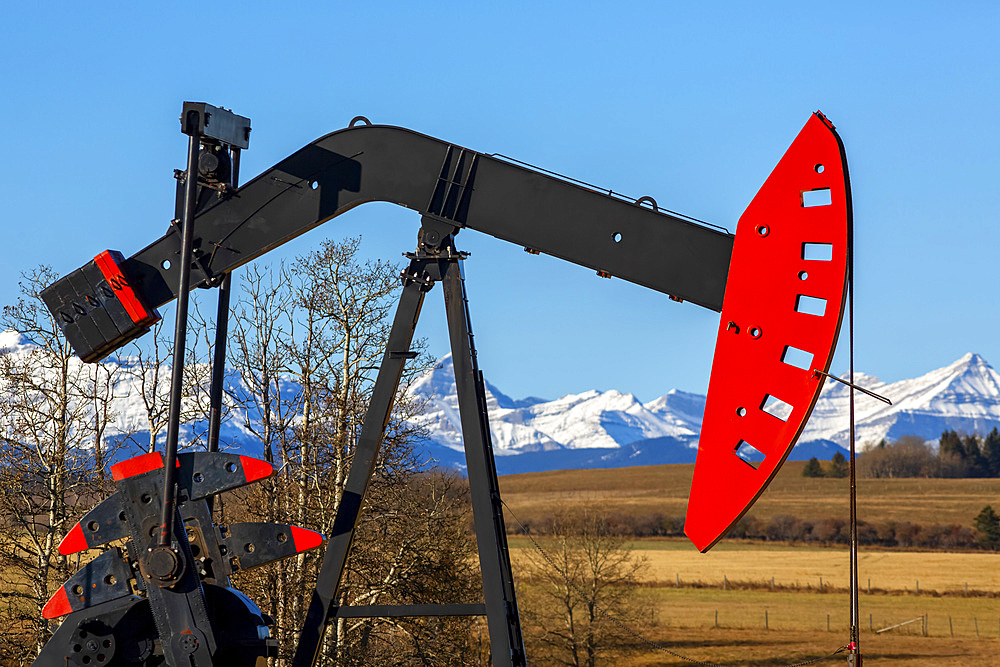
column 221, row 228
column 436, row 260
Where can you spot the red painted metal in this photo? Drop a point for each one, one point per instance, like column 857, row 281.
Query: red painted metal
column 305, row 539
column 768, row 323
column 74, row 542
column 58, row 605
column 255, row 469
column 137, row 465
column 107, row 262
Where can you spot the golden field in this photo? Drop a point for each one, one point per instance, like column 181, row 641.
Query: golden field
column 664, row 489
column 809, row 594
column 669, row 561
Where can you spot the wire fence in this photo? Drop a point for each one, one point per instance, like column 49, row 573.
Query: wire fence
column 820, row 584
column 778, row 617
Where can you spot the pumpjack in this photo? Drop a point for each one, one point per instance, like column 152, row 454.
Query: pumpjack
column 159, row 592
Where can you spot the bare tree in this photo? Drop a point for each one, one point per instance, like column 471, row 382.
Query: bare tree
column 145, row 372
column 573, row 589
column 307, row 340
column 54, row 415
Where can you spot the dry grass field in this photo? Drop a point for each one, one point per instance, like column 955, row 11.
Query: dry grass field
column 669, row 561
column 733, row 581
column 684, row 620
column 664, row 489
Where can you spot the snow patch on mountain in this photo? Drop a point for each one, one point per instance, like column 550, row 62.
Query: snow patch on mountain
column 589, row 420
column 964, row 396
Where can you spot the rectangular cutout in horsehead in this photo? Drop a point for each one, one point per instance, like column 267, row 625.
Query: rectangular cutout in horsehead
column 819, row 197
column 810, row 305
column 749, row 454
column 776, row 407
column 793, row 356
column 817, row 252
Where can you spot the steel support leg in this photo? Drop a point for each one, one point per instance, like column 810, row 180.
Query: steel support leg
column 362, row 466
column 506, row 644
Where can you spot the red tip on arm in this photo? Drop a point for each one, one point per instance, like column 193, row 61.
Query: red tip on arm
column 58, row 605
column 305, row 539
column 255, row 469
column 74, row 542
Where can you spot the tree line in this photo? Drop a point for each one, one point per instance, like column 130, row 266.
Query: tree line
column 983, row 532
column 956, row 456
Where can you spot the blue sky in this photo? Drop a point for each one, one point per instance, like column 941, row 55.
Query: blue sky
column 690, row 103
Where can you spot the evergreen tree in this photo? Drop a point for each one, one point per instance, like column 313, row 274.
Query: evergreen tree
column 838, row 466
column 987, row 524
column 951, row 455
column 991, row 452
column 978, row 466
column 813, row 468
column 951, row 444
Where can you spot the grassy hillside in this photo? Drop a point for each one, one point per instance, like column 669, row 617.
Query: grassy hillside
column 664, row 489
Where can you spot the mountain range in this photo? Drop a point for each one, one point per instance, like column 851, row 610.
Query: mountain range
column 610, row 429
column 614, row 429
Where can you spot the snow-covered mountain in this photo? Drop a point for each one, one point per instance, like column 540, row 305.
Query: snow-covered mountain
column 591, row 420
column 611, row 428
column 964, row 396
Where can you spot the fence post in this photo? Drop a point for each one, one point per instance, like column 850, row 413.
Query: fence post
column 951, row 628
column 725, row 582
column 821, row 584
column 976, row 621
column 716, row 618
column 925, row 624
column 766, row 625
column 918, row 587
column 869, row 585
column 678, row 580
column 828, row 622
column 871, row 626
